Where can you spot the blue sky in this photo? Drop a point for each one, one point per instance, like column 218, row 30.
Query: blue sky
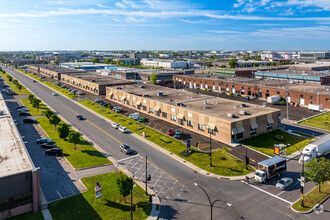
column 161, row 25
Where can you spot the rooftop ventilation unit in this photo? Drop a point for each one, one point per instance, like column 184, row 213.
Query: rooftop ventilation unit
column 230, row 115
column 241, row 112
column 160, row 94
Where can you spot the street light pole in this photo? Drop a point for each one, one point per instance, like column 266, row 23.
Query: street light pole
column 210, row 151
column 146, row 175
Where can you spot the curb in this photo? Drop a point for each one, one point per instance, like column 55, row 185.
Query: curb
column 312, row 209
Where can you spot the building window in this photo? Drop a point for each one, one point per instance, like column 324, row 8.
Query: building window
column 124, row 101
column 151, row 110
column 278, row 92
column 119, row 99
column 327, row 99
column 267, row 90
column 157, row 113
column 144, row 108
column 190, row 123
column 301, row 96
column 201, row 127
column 128, row 103
column 164, row 114
column 253, row 131
column 173, row 117
column 211, row 131
column 312, row 97
column 269, row 126
column 133, row 104
column 239, row 135
column 181, row 121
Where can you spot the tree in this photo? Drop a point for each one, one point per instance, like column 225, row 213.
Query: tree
column 36, row 103
column 233, row 63
column 48, row 113
column 255, row 65
column 31, row 97
column 74, row 138
column 107, row 61
column 54, row 120
column 273, row 64
column 153, row 78
column 95, row 60
column 44, row 62
column 223, row 66
column 125, row 185
column 63, row 131
column 318, row 171
column 19, row 87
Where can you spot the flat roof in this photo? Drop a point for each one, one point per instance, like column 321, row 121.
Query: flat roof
column 310, row 65
column 83, row 64
column 216, row 107
column 145, row 71
column 14, row 157
column 97, row 78
column 58, row 69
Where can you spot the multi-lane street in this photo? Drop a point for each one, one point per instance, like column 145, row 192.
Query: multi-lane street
column 172, row 181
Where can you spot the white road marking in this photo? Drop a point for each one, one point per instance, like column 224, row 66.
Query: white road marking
column 59, row 194
column 270, row 194
column 287, row 189
column 127, row 158
column 274, row 209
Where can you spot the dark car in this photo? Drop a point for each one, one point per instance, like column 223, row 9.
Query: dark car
column 21, row 106
column 170, row 132
column 30, row 120
column 111, row 107
column 54, row 151
column 48, row 146
column 80, row 117
column 5, row 86
column 34, row 81
column 97, row 100
column 125, row 149
column 178, row 135
column 44, row 141
column 24, row 114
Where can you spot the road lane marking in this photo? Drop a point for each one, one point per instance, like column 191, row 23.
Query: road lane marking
column 127, row 158
column 287, row 188
column 165, row 172
column 252, row 160
column 264, row 191
column 104, row 131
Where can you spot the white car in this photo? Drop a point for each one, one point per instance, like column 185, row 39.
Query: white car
column 123, row 129
column 54, row 94
column 22, row 110
column 284, row 183
column 115, row 125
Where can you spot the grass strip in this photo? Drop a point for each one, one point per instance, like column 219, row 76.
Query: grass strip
column 85, row 155
column 223, row 163
column 321, row 121
column 312, row 198
column 110, row 206
column 29, row 215
column 265, row 142
column 13, row 87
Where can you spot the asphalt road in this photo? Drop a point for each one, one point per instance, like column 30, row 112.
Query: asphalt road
column 187, row 201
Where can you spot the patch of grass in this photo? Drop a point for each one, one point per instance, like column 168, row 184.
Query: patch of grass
column 312, row 198
column 33, row 111
column 85, row 155
column 13, row 87
column 110, row 206
column 265, row 142
column 229, row 167
column 30, row 216
column 321, row 121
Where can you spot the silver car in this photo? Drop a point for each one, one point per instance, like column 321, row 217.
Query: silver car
column 284, row 183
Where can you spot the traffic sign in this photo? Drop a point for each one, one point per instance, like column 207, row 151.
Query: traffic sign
column 302, row 183
column 98, row 188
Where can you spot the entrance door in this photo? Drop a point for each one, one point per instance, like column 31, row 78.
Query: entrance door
column 301, row 101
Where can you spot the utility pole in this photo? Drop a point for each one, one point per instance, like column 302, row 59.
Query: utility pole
column 146, row 175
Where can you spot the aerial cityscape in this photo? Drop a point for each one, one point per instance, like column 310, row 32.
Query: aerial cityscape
column 165, row 109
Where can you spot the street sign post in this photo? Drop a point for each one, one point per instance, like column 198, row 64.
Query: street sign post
column 98, row 188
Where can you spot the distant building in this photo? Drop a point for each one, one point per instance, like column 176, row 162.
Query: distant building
column 137, row 55
column 314, row 55
column 169, row 64
column 128, row 61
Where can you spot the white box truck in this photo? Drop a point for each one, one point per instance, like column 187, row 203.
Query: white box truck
column 269, row 168
column 316, row 149
column 273, row 99
column 314, row 107
column 135, row 116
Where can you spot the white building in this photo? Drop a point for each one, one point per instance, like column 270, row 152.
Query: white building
column 168, row 64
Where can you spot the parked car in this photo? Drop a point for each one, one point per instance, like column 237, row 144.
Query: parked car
column 5, row 91
column 30, row 120
column 123, row 129
column 80, row 93
column 170, row 132
column 111, row 107
column 118, row 110
column 115, row 125
column 48, row 146
column 125, row 149
column 114, row 108
column 21, row 106
column 80, row 117
column 54, row 151
column 44, row 140
column 22, row 110
column 178, row 135
column 141, row 119
column 284, row 183
column 97, row 100
column 5, row 86
column 54, row 94
column 24, row 114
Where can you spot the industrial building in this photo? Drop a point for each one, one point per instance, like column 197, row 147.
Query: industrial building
column 226, row 120
column 311, row 67
column 295, row 91
column 51, row 71
column 19, row 178
column 168, row 64
column 88, row 66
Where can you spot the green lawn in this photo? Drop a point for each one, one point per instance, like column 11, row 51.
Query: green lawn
column 265, row 142
column 29, row 216
column 313, row 198
column 85, row 155
column 321, row 121
column 110, row 206
column 228, row 167
column 33, row 111
column 13, row 87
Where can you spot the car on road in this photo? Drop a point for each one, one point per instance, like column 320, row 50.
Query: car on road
column 24, row 114
column 30, row 120
column 48, row 146
column 34, row 81
column 21, row 106
column 123, row 129
column 80, row 117
column 44, row 141
column 54, row 151
column 141, row 119
column 178, row 135
column 22, row 110
column 284, row 183
column 115, row 125
column 54, row 94
column 170, row 132
column 125, row 149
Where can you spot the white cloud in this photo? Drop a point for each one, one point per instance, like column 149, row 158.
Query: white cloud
column 323, row 4
column 222, row 32
column 288, row 12
column 120, row 5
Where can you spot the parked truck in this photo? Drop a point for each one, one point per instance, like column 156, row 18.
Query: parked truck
column 273, row 99
column 269, row 168
column 135, row 116
column 315, row 107
column 316, row 149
